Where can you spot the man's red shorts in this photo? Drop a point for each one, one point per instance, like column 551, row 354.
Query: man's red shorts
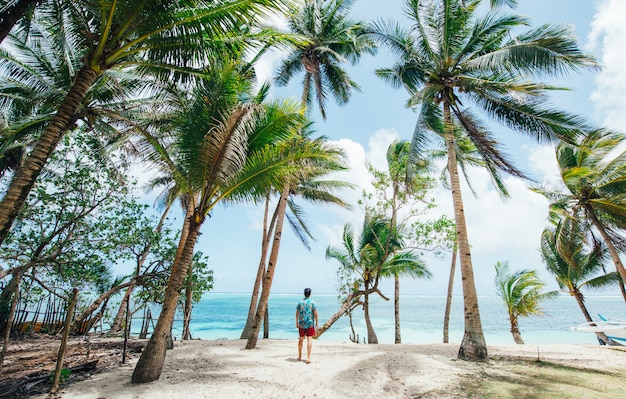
column 309, row 332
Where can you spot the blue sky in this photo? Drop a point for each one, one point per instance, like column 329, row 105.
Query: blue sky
column 499, row 230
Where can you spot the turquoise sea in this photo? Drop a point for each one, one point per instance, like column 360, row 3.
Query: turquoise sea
column 223, row 315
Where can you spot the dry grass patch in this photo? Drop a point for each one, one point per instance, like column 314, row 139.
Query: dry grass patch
column 523, row 379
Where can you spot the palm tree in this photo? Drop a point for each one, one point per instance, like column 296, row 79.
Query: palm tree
column 328, row 159
column 332, row 38
column 450, row 58
column 14, row 11
column 583, row 268
column 521, row 293
column 315, row 190
column 160, row 40
column 594, row 200
column 368, row 257
column 223, row 150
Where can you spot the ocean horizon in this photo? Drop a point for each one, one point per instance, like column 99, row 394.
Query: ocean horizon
column 223, row 315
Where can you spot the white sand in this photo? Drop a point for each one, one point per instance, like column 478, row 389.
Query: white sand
column 223, row 369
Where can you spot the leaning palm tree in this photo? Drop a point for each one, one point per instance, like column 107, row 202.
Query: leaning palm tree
column 222, row 150
column 327, row 159
column 161, row 40
column 451, row 58
column 331, row 39
column 364, row 259
column 522, row 294
column 593, row 174
column 583, row 268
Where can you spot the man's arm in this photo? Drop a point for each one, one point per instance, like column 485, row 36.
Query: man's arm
column 297, row 325
column 315, row 315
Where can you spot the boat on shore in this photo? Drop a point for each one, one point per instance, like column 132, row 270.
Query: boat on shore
column 613, row 328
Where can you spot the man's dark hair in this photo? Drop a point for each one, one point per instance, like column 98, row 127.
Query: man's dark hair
column 307, row 292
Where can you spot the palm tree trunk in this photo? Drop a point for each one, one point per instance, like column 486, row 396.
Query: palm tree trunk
column 371, row 334
column 609, row 244
column 602, row 338
column 473, row 346
column 116, row 326
column 517, row 335
column 396, row 308
column 9, row 326
column 13, row 15
column 9, row 292
column 271, row 268
column 150, row 364
column 25, row 177
column 188, row 304
column 265, row 244
column 446, row 315
column 351, row 302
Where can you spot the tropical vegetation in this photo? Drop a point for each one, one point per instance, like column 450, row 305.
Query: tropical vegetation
column 583, row 268
column 452, row 57
column 522, row 293
column 92, row 91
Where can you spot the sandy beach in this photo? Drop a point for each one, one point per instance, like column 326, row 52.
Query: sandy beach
column 223, row 369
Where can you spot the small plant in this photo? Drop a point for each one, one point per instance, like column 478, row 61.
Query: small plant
column 65, row 374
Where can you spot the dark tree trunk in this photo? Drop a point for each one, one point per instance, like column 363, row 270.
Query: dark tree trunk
column 10, row 17
column 25, row 177
column 150, row 364
column 602, row 338
column 396, row 308
column 371, row 334
column 188, row 304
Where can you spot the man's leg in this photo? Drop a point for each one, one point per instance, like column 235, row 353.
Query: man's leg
column 300, row 339
column 309, row 345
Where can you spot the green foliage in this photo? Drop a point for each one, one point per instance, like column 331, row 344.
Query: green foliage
column 329, row 38
column 202, row 277
column 521, row 291
column 452, row 56
column 79, row 221
column 65, row 374
column 591, row 206
column 582, row 268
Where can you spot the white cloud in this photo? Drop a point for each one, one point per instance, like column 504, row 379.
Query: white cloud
column 607, row 36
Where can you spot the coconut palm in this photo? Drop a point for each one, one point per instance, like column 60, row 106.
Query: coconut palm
column 160, row 40
column 451, row 58
column 315, row 190
column 593, row 174
column 583, row 268
column 332, row 38
column 366, row 258
column 328, row 159
column 522, row 294
column 14, row 11
column 222, row 150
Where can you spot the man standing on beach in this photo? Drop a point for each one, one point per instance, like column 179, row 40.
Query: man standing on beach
column 306, row 323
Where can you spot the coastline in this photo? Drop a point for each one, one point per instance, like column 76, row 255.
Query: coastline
column 223, row 369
